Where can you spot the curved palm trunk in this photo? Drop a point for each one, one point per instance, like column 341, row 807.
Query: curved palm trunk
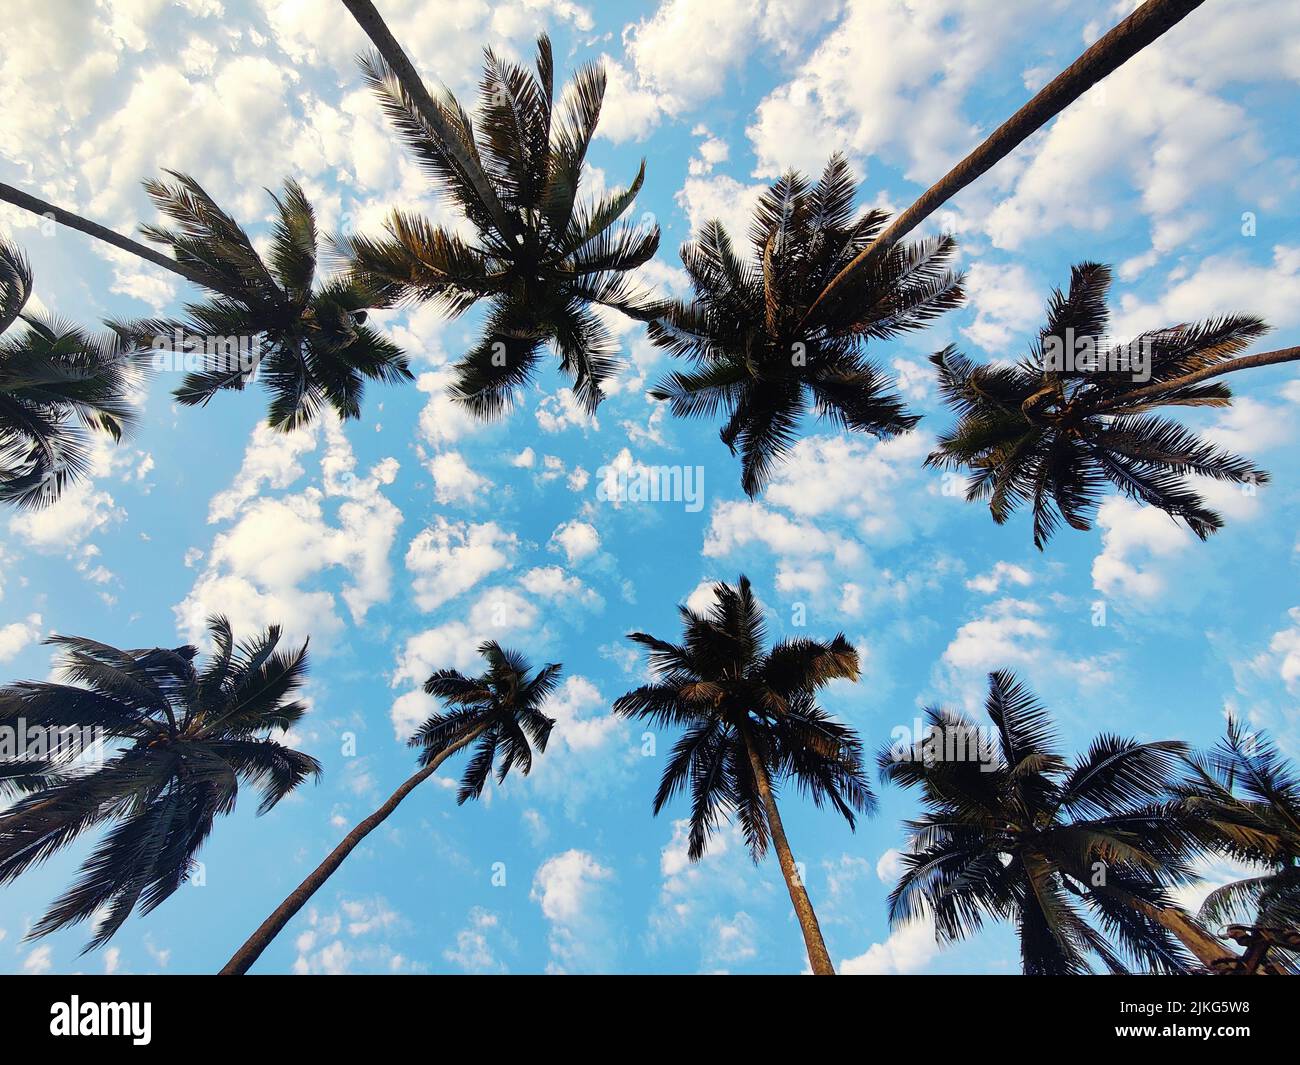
column 40, row 207
column 812, row 933
column 372, row 22
column 1107, row 54
column 252, row 949
column 1246, row 362
column 1208, row 949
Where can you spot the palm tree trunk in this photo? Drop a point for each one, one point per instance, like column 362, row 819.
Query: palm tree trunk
column 1107, row 54
column 818, row 956
column 1208, row 949
column 252, row 949
column 372, row 22
column 1246, row 362
column 38, row 206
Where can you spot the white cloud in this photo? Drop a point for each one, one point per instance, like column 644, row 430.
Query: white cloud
column 577, row 539
column 474, row 951
column 1007, row 303
column 907, row 950
column 15, row 637
column 1002, row 572
column 454, row 481
column 448, row 558
column 570, row 889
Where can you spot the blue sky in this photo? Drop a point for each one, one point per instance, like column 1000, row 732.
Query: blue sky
column 399, row 541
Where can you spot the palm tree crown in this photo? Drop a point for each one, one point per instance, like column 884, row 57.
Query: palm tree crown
column 1246, row 799
column 1051, row 434
column 180, row 741
column 758, row 355
column 499, row 712
column 313, row 347
column 541, row 257
column 56, row 382
column 1079, row 856
column 728, row 692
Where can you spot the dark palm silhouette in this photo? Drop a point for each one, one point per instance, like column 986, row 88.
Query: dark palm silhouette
column 752, row 722
column 57, row 385
column 1080, row 857
column 498, row 712
column 1050, row 438
column 1246, row 799
column 541, row 257
column 314, row 349
column 759, row 358
column 177, row 743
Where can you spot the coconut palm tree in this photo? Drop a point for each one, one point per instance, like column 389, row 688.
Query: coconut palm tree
column 751, row 722
column 1245, row 799
column 1051, row 431
column 543, row 260
column 499, row 712
column 759, row 357
column 158, row 748
column 1079, row 856
column 57, row 385
column 307, row 343
column 1109, row 52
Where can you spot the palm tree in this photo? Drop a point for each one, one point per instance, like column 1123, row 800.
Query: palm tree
column 500, row 711
column 752, row 721
column 314, row 348
column 177, row 743
column 1051, row 435
column 56, row 382
column 1246, row 801
column 1109, row 52
column 309, row 344
column 541, row 258
column 1079, row 856
column 758, row 355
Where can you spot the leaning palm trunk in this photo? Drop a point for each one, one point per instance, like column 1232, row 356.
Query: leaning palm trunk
column 370, row 20
column 1107, row 54
column 818, row 956
column 1218, row 369
column 1209, row 950
column 246, row 955
column 40, row 207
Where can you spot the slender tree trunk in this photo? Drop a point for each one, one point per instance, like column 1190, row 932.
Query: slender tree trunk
column 38, row 206
column 246, row 955
column 372, row 22
column 1108, row 53
column 1208, row 949
column 818, row 956
column 1246, row 362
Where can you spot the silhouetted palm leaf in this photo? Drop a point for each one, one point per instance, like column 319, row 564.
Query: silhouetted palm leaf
column 756, row 354
column 1052, row 437
column 308, row 343
column 541, row 257
column 177, row 744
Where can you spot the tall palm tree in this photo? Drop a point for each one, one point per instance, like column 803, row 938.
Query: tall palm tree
column 1109, row 52
column 1245, row 799
column 56, row 384
column 314, row 349
column 543, row 260
column 1079, row 856
column 309, row 343
column 752, row 722
column 500, row 711
column 177, row 743
column 759, row 357
column 1052, row 435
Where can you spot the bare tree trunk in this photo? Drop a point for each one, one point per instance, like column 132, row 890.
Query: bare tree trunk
column 818, row 956
column 1208, row 949
column 1108, row 53
column 1246, row 362
column 372, row 22
column 37, row 206
column 246, row 955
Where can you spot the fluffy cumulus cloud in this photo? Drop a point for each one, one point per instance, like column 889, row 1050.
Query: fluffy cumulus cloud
column 17, row 636
column 448, row 558
column 478, row 944
column 267, row 567
column 354, row 938
column 572, row 890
